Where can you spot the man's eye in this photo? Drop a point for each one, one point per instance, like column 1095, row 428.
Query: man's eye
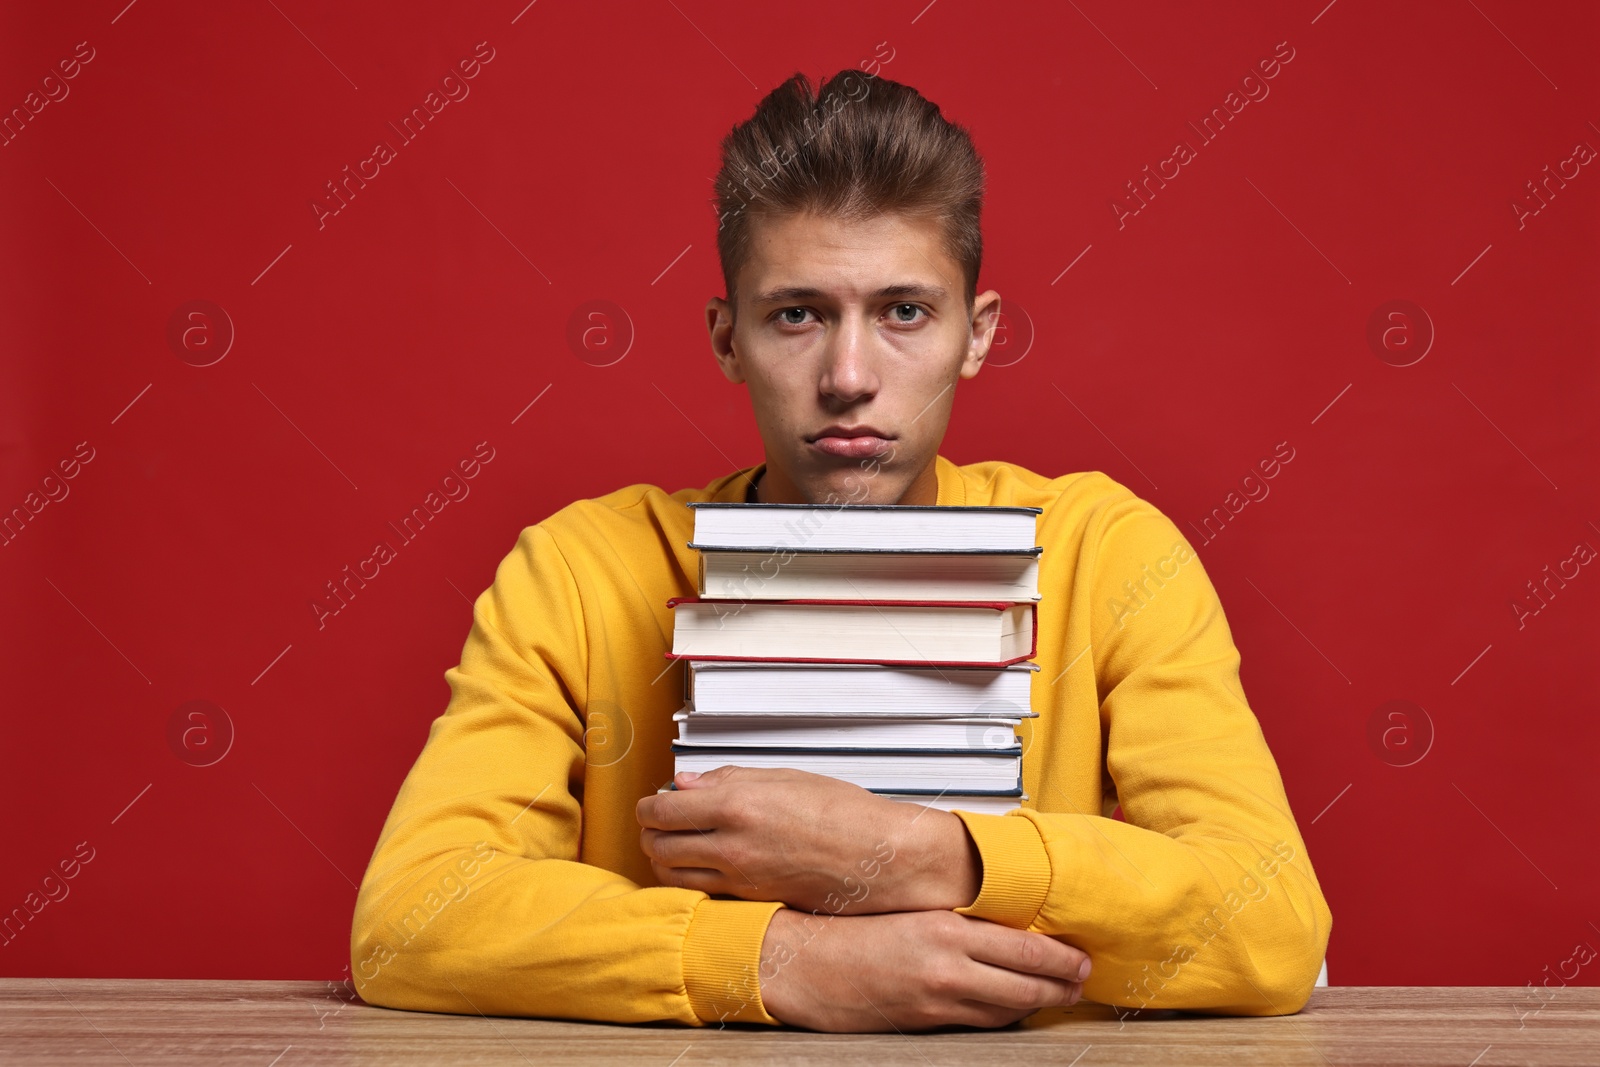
column 786, row 312
column 913, row 308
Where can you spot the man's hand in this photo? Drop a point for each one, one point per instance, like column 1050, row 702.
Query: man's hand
column 813, row 842
column 911, row 971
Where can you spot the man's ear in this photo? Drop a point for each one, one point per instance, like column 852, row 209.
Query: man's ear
column 985, row 317
column 719, row 324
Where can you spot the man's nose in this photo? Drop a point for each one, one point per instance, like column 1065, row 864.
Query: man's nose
column 848, row 363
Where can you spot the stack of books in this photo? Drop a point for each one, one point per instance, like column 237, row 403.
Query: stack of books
column 885, row 645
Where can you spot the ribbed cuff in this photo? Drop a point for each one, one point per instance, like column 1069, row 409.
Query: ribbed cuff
column 722, row 960
column 1016, row 869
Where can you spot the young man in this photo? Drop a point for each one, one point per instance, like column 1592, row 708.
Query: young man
column 529, row 867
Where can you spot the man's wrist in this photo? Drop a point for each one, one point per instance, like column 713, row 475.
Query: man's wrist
column 947, row 869
column 777, row 951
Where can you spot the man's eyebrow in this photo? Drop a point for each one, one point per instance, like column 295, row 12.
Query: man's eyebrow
column 787, row 293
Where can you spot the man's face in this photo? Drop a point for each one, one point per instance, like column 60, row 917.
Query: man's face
column 845, row 326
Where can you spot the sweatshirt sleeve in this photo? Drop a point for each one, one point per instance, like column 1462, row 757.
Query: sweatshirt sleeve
column 1204, row 899
column 475, row 900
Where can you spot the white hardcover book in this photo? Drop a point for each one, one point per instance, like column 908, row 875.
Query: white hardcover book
column 854, row 527
column 989, row 633
column 738, row 687
column 786, row 731
column 977, row 803
column 778, row 574
column 898, row 771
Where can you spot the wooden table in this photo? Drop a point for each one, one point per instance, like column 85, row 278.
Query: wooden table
column 282, row 1024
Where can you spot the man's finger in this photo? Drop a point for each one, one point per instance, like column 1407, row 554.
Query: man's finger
column 1027, row 952
column 1014, row 989
column 679, row 848
column 694, row 809
column 701, row 878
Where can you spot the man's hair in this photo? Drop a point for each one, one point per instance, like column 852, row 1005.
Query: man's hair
column 858, row 147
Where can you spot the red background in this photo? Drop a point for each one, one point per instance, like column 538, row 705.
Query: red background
column 375, row 352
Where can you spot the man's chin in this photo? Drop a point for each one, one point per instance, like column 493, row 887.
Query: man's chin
column 850, row 485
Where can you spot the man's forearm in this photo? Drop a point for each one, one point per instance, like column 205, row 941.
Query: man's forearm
column 809, row 841
column 1193, row 921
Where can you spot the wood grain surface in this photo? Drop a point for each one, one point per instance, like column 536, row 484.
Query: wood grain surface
column 281, row 1024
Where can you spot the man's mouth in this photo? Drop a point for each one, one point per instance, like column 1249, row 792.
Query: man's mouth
column 851, row 442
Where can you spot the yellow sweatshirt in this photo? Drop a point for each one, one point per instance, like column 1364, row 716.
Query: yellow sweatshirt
column 508, row 877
